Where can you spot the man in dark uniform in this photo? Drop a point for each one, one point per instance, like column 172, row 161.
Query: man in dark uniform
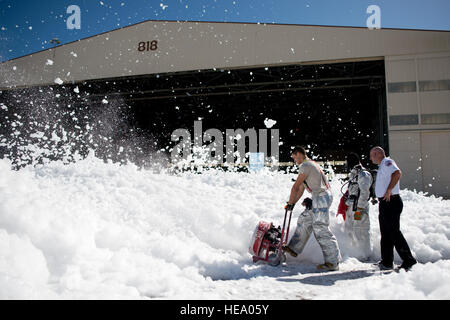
column 387, row 190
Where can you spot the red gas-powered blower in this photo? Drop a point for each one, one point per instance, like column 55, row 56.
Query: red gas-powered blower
column 267, row 241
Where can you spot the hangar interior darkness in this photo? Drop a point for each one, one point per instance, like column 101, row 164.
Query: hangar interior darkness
column 331, row 108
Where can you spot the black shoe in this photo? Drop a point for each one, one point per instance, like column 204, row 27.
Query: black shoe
column 407, row 265
column 382, row 266
column 289, row 250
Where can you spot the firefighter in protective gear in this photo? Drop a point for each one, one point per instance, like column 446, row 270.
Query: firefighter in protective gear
column 357, row 222
column 315, row 219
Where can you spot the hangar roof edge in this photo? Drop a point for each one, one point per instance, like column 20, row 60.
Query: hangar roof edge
column 221, row 22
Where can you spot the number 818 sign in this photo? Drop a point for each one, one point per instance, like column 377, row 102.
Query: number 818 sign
column 148, row 45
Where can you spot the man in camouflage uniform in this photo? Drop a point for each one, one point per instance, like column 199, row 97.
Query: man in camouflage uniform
column 315, row 219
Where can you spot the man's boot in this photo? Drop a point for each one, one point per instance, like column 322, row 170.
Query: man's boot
column 289, row 250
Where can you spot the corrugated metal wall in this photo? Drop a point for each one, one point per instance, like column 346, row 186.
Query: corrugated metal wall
column 418, row 106
column 184, row 46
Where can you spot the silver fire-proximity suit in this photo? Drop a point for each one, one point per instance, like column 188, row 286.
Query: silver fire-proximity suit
column 357, row 227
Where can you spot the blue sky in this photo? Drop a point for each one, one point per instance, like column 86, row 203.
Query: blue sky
column 27, row 26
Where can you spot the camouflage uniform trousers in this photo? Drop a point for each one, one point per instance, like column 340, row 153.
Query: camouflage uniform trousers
column 317, row 221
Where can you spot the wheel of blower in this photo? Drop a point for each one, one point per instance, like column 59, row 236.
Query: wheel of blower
column 275, row 260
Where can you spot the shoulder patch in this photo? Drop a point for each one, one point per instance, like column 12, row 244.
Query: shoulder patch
column 388, row 163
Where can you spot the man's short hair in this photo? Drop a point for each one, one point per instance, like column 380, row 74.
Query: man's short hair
column 298, row 149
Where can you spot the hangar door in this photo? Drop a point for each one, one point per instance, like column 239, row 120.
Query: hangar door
column 423, row 157
column 331, row 108
column 418, row 95
column 436, row 151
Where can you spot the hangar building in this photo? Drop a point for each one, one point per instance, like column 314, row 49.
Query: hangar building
column 335, row 89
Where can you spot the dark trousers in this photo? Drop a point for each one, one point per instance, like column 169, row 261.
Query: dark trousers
column 391, row 236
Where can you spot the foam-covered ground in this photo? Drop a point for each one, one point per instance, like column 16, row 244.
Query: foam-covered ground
column 91, row 230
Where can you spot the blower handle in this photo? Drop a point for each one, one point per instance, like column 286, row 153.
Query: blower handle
column 285, row 235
